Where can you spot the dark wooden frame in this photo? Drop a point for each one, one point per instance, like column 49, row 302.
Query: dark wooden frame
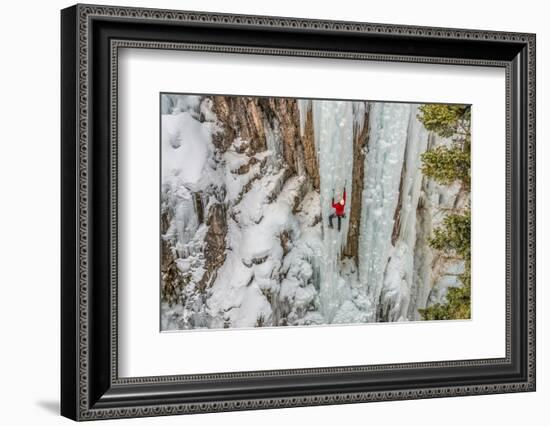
column 91, row 37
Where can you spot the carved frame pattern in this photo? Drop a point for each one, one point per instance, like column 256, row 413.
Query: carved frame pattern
column 85, row 13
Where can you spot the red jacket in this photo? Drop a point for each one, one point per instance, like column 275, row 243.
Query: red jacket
column 339, row 207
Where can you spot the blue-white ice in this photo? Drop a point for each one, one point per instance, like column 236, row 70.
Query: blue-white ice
column 333, row 130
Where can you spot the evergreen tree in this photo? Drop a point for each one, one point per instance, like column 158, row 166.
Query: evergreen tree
column 453, row 238
column 444, row 119
column 447, row 164
column 454, row 235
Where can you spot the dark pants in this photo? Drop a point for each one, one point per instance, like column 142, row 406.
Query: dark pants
column 332, row 216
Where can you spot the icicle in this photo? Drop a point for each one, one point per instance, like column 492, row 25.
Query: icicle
column 359, row 111
column 274, row 140
column 304, row 105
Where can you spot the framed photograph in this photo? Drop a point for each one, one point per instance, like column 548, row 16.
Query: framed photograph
column 263, row 212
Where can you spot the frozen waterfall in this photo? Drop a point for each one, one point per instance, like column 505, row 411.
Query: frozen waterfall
column 389, row 212
column 389, row 273
column 333, row 129
column 388, row 137
column 246, row 203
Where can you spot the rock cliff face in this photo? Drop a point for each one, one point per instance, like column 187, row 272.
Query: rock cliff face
column 214, row 244
column 246, row 193
column 268, row 121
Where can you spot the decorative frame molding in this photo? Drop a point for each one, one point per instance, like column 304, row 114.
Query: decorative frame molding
column 91, row 388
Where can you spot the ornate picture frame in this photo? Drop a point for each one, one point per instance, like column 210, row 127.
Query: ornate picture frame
column 91, row 38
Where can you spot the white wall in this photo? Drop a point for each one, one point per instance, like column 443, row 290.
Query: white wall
column 29, row 225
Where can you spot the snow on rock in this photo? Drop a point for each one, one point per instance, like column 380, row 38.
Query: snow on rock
column 255, row 254
column 185, row 147
column 176, row 104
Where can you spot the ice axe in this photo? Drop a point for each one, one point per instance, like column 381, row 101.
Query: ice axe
column 345, row 184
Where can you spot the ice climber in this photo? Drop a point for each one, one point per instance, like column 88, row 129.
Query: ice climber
column 339, row 212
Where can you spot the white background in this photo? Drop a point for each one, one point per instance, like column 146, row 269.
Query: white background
column 141, row 345
column 29, row 225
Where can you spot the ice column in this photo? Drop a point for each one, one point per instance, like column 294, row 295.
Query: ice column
column 333, row 130
column 388, row 124
column 401, row 278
